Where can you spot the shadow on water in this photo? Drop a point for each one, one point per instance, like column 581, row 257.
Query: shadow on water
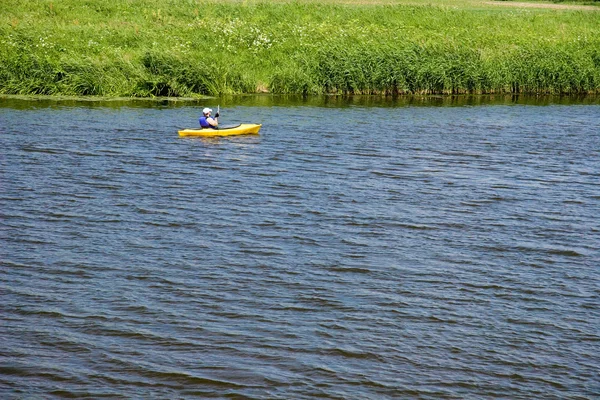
column 266, row 100
column 412, row 101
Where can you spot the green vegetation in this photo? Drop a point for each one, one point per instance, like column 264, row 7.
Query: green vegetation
column 190, row 47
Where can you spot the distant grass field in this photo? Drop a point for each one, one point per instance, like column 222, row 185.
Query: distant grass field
column 145, row 48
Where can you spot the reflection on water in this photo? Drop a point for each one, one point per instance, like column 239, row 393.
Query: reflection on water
column 295, row 100
column 359, row 247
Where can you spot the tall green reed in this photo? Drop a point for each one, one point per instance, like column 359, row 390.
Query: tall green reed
column 191, row 48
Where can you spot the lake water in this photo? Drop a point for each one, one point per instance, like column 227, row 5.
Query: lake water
column 355, row 249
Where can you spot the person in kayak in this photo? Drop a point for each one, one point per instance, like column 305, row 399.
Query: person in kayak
column 206, row 121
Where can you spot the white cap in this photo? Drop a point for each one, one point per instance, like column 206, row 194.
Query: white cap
column 206, row 110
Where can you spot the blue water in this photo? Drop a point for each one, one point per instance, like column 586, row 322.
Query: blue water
column 350, row 250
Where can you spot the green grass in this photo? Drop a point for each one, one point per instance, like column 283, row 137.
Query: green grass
column 147, row 48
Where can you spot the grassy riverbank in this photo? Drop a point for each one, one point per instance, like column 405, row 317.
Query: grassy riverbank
column 188, row 47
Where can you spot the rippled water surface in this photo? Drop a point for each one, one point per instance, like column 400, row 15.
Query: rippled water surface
column 350, row 251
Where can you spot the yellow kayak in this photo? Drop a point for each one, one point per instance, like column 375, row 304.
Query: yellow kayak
column 242, row 129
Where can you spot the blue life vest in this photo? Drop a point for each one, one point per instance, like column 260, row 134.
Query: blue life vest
column 204, row 123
